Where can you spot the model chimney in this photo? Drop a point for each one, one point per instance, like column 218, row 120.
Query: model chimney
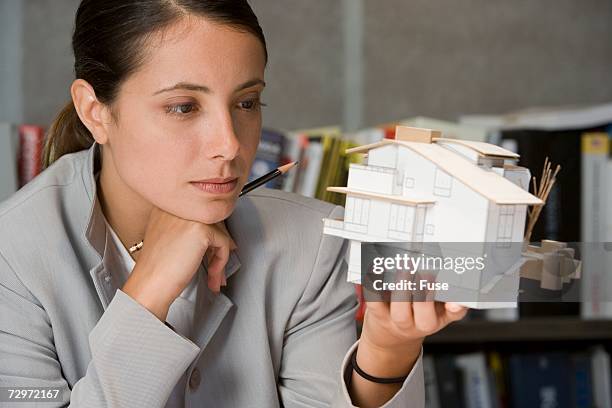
column 412, row 134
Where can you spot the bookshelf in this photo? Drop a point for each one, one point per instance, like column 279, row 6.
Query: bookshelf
column 537, row 329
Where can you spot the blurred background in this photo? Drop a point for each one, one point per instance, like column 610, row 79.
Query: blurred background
column 531, row 76
column 359, row 63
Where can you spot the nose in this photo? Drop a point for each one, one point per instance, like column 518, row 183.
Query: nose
column 224, row 144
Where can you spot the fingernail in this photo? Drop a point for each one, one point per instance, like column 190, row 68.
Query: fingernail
column 224, row 281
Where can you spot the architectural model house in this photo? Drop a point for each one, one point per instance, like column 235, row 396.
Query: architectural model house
column 420, row 187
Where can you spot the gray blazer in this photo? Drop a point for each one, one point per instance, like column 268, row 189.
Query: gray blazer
column 278, row 335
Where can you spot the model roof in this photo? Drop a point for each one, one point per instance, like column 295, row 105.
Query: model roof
column 414, row 201
column 487, row 183
column 485, row 149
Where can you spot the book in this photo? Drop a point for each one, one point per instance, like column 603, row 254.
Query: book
column 432, row 399
column 303, row 146
column 313, row 155
column 497, row 366
column 476, row 380
column 582, row 383
column 268, row 157
column 329, row 158
column 600, row 372
column 342, row 169
column 450, row 382
column 31, row 143
column 540, row 380
column 295, row 144
column 596, row 287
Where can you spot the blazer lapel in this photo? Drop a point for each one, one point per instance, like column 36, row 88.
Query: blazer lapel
column 105, row 284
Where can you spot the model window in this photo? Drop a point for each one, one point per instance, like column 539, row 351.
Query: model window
column 505, row 223
column 399, row 218
column 420, row 223
column 357, row 210
column 409, row 182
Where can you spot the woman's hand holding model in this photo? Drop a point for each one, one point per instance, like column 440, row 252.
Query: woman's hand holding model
column 391, row 340
column 172, row 254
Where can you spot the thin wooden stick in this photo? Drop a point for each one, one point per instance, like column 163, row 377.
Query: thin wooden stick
column 542, row 191
column 542, row 176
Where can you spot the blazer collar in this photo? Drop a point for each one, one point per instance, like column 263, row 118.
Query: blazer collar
column 95, row 230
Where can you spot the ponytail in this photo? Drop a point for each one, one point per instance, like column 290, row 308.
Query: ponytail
column 67, row 134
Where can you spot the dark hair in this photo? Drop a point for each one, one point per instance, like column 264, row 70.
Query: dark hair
column 107, row 41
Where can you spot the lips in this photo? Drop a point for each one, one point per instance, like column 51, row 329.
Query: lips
column 217, row 186
column 217, row 180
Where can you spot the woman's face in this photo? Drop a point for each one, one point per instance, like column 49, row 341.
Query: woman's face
column 191, row 113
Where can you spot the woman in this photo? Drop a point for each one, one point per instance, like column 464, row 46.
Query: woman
column 155, row 146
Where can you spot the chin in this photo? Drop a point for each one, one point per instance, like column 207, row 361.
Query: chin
column 216, row 211
column 207, row 210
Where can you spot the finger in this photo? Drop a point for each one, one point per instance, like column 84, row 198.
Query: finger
column 374, row 300
column 426, row 280
column 210, row 253
column 222, row 227
column 217, row 268
column 425, row 316
column 400, row 313
column 453, row 312
column 378, row 307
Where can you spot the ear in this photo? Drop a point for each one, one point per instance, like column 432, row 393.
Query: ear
column 94, row 114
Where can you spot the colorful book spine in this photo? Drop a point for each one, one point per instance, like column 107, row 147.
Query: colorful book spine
column 268, row 157
column 31, row 141
column 596, row 288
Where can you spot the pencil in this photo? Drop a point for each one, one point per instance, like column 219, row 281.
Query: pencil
column 267, row 177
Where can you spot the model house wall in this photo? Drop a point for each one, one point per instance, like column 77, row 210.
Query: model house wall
column 457, row 207
column 521, row 176
column 376, row 179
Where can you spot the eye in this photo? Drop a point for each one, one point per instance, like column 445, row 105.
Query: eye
column 251, row 104
column 182, row 109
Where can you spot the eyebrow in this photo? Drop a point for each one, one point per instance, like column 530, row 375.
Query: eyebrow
column 201, row 88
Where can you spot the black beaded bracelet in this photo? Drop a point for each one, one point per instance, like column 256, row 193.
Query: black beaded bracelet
column 369, row 377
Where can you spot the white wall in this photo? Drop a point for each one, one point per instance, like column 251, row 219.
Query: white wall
column 407, row 57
